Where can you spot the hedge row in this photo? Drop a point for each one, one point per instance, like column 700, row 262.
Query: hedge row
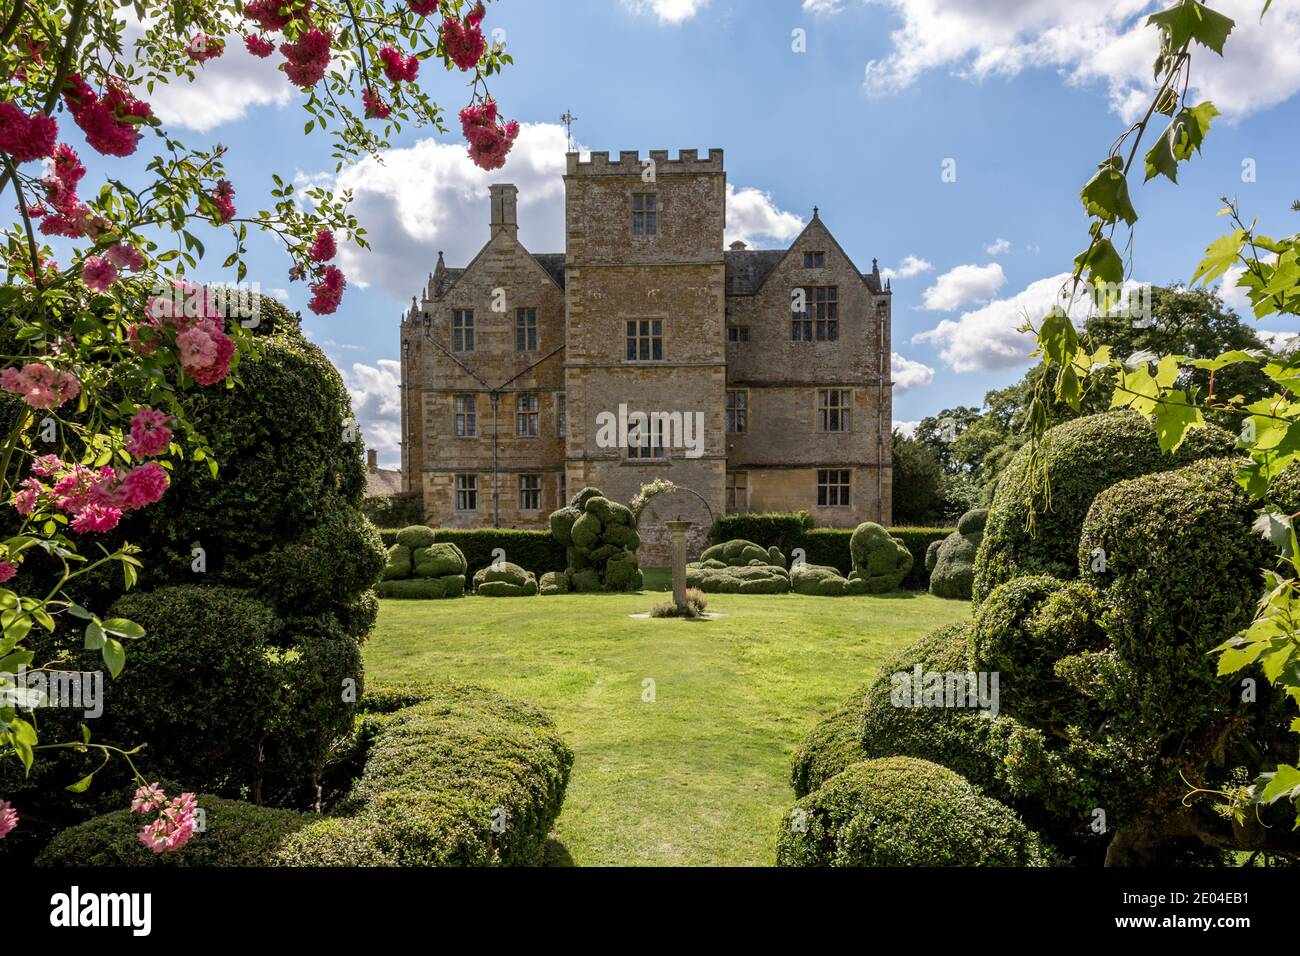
column 394, row 511
column 768, row 530
column 538, row 551
column 830, row 547
column 454, row 775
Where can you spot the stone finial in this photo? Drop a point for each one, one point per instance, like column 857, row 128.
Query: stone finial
column 815, row 212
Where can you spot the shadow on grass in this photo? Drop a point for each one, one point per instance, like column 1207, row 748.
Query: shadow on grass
column 556, row 853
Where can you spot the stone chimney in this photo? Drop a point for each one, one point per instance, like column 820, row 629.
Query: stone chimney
column 372, row 460
column 505, row 216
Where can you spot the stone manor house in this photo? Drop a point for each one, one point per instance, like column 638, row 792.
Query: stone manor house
column 515, row 366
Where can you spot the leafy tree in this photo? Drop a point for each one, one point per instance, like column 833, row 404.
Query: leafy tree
column 918, row 478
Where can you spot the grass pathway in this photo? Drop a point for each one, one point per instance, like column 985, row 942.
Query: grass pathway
column 699, row 775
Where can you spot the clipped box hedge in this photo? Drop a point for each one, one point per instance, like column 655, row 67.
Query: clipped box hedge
column 454, row 775
column 830, row 547
column 768, row 530
column 538, row 551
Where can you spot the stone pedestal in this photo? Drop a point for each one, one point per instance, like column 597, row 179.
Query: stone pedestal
column 678, row 530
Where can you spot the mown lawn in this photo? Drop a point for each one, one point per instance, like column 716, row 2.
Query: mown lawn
column 700, row 775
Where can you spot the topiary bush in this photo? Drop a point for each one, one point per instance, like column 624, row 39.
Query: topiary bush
column 879, row 560
column 819, row 580
column 739, row 554
column 236, row 834
column 1181, row 575
column 453, row 775
column 952, row 572
column 900, row 811
column 716, row 578
column 766, row 530
column 600, row 541
column 258, row 577
column 464, row 777
column 1076, row 461
column 505, row 580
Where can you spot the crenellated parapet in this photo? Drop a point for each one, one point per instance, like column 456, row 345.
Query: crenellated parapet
column 630, row 162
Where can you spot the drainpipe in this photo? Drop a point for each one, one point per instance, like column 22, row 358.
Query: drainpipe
column 880, row 422
column 496, row 444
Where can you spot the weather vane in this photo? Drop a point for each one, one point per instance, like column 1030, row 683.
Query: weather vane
column 568, row 119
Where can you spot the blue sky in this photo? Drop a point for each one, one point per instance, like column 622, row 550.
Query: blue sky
column 1024, row 95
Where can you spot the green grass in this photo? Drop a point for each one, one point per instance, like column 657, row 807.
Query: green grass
column 700, row 775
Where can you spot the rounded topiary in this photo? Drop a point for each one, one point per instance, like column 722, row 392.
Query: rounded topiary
column 553, row 582
column 832, row 745
column 341, row 554
column 973, row 521
column 399, row 562
column 749, row 579
column 600, row 541
column 739, row 553
column 1181, row 574
column 438, row 560
column 900, row 811
column 879, row 559
column 823, row 581
column 1076, row 461
column 505, row 580
column 932, row 555
column 1022, row 629
column 416, row 536
column 235, row 834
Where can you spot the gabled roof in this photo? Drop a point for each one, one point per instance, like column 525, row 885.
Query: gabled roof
column 553, row 263
column 748, row 268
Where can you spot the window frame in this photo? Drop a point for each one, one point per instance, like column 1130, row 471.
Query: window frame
column 530, row 494
column 835, row 483
column 527, row 415
column 466, row 490
column 737, row 482
column 464, row 408
column 737, row 411
column 644, row 335
column 645, row 220
column 842, row 409
column 814, row 259
column 462, row 330
column 653, row 451
column 526, row 333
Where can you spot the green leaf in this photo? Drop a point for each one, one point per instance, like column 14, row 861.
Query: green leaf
column 1103, row 263
column 1057, row 338
column 82, row 785
column 1106, row 194
column 1220, row 256
column 121, row 627
column 1174, row 416
column 94, row 636
column 1187, row 20
column 114, row 656
column 1283, row 782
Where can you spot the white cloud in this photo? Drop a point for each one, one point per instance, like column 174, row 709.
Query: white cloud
column 1280, row 342
column 963, row 285
column 1106, row 42
column 224, row 90
column 751, row 214
column 998, row 247
column 1233, row 297
column 908, row 374
column 990, row 338
column 906, row 429
column 909, row 267
column 668, row 11
column 418, row 200
column 823, row 6
column 377, row 407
